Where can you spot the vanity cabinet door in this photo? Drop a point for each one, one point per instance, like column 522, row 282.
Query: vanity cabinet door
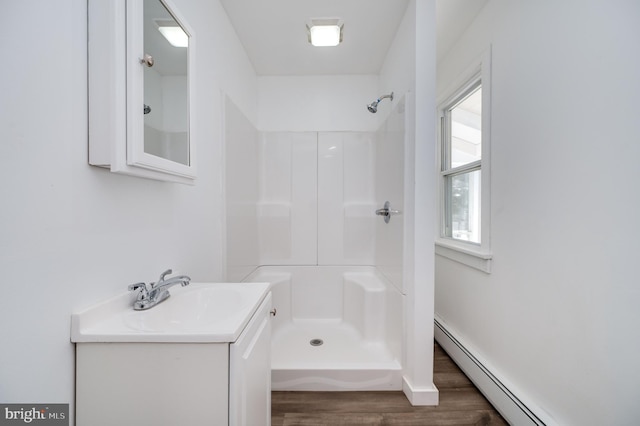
column 250, row 371
column 151, row 384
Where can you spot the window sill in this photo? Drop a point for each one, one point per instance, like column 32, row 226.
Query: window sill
column 465, row 254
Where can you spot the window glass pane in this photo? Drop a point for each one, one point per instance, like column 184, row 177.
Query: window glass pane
column 466, row 126
column 464, row 208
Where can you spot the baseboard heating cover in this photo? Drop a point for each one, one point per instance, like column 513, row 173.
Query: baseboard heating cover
column 503, row 399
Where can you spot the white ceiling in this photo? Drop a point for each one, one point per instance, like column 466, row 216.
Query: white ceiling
column 452, row 18
column 274, row 35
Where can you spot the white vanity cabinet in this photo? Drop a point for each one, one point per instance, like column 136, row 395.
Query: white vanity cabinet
column 178, row 383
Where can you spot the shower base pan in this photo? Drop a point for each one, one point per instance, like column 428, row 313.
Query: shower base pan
column 330, row 356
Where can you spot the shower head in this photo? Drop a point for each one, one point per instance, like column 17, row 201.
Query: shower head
column 373, row 106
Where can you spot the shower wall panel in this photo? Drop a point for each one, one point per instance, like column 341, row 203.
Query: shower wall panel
column 287, row 208
column 346, row 198
column 317, row 198
column 390, row 171
column 309, row 198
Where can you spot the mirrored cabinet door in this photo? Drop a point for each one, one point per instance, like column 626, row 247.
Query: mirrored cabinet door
column 140, row 97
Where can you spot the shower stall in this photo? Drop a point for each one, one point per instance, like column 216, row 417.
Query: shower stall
column 305, row 211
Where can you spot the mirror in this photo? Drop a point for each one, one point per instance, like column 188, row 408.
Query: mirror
column 166, row 87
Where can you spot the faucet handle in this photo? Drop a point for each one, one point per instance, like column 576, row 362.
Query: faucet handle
column 139, row 286
column 164, row 274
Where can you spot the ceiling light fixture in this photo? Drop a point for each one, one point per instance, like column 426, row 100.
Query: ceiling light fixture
column 174, row 34
column 325, row 32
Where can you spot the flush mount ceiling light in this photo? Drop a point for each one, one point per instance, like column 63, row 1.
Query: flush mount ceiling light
column 325, row 32
column 174, row 34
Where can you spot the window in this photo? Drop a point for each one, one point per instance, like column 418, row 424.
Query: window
column 461, row 165
column 464, row 165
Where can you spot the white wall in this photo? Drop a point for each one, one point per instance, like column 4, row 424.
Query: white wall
column 398, row 73
column 241, row 166
column 71, row 234
column 317, row 103
column 558, row 318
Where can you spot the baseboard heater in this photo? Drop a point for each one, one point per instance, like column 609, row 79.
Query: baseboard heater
column 505, row 401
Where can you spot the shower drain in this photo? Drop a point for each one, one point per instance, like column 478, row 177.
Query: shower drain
column 316, row 342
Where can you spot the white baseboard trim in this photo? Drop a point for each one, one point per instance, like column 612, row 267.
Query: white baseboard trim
column 420, row 396
column 503, row 399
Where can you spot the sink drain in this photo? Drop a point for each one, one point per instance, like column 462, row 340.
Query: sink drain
column 316, row 342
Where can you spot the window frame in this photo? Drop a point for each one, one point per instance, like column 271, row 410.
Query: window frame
column 476, row 255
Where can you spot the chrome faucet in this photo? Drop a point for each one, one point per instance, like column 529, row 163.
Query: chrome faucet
column 149, row 295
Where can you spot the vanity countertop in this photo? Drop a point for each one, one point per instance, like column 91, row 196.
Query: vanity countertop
column 197, row 313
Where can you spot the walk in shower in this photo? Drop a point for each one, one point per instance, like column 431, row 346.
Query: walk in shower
column 301, row 214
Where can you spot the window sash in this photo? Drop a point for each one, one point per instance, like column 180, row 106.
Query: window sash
column 446, row 122
column 473, row 208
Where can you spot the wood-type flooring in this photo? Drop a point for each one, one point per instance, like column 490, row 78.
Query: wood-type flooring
column 461, row 403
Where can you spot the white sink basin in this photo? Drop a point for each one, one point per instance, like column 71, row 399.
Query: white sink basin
column 199, row 312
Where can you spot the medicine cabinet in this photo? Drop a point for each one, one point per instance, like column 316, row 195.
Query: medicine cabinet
column 140, row 89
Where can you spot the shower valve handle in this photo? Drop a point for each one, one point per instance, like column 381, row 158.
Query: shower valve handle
column 386, row 212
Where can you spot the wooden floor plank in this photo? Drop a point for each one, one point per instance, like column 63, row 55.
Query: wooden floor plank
column 340, row 402
column 333, row 419
column 373, row 402
column 433, row 418
column 457, row 418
